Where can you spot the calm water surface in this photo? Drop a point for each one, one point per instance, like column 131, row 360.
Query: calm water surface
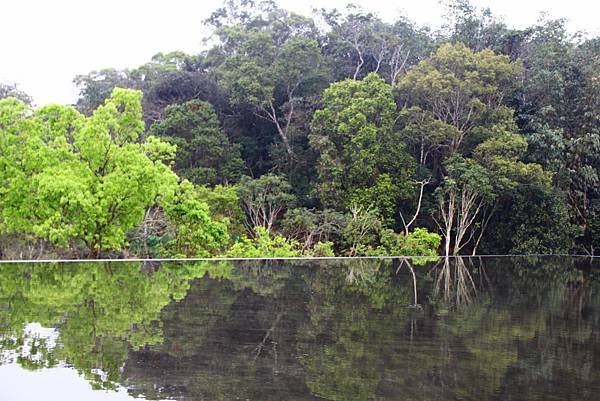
column 486, row 329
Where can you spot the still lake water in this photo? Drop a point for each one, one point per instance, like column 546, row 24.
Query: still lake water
column 522, row 328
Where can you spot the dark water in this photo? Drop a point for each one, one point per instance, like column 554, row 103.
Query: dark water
column 487, row 329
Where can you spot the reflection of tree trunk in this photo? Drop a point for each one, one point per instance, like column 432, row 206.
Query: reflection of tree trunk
column 414, row 282
column 363, row 271
column 444, row 276
column 150, row 266
column 463, row 278
column 268, row 334
column 459, row 283
column 414, row 277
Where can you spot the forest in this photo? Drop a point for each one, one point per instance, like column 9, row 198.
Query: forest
column 336, row 134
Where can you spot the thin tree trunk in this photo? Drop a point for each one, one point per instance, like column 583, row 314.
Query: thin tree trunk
column 407, row 225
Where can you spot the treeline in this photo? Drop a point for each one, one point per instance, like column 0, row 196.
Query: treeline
column 332, row 134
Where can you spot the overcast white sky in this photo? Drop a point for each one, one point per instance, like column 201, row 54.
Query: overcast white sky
column 44, row 44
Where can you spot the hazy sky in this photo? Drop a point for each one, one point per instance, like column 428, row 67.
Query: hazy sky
column 44, row 43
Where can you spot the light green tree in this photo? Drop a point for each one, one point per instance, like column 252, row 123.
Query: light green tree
column 76, row 180
column 264, row 245
column 195, row 233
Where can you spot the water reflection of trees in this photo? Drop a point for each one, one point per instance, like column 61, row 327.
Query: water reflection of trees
column 454, row 281
column 100, row 312
column 344, row 332
column 335, row 330
column 356, row 311
column 515, row 320
column 243, row 346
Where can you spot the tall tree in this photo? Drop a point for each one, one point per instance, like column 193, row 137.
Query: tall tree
column 461, row 130
column 168, row 78
column 558, row 111
column 361, row 159
column 478, row 28
column 271, row 65
column 358, row 43
column 463, row 90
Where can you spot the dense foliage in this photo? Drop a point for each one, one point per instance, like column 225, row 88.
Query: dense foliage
column 332, row 134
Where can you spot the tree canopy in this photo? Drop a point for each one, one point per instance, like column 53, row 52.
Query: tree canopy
column 327, row 129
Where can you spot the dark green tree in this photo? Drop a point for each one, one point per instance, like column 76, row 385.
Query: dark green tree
column 361, row 159
column 204, row 153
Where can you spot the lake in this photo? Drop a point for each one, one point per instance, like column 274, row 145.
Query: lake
column 518, row 328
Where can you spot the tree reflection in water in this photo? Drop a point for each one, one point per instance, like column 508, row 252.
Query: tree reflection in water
column 487, row 329
column 99, row 311
column 454, row 282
